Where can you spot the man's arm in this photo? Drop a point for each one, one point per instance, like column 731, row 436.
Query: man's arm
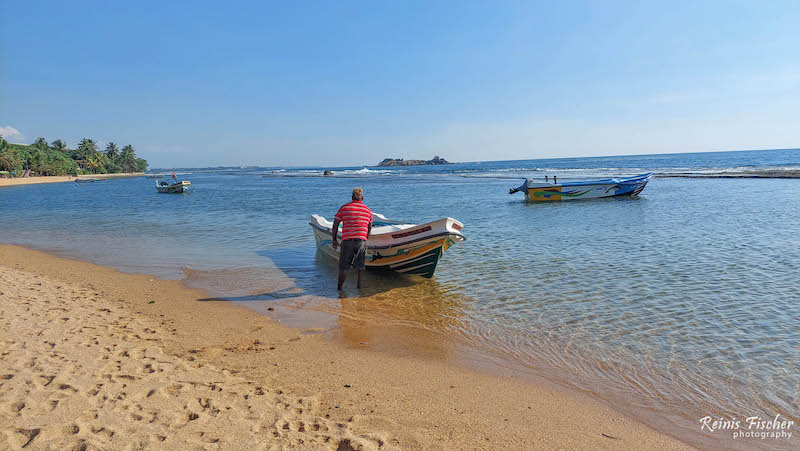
column 335, row 233
column 369, row 230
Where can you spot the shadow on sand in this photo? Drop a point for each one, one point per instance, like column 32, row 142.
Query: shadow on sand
column 315, row 274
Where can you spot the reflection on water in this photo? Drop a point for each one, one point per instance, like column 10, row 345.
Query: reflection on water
column 391, row 312
column 683, row 300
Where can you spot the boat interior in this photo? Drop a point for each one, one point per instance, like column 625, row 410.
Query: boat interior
column 379, row 224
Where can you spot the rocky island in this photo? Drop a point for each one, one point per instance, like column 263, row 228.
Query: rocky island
column 402, row 162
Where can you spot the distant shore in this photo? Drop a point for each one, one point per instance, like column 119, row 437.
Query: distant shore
column 64, row 178
column 119, row 359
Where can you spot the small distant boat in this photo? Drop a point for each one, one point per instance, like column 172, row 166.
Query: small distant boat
column 588, row 189
column 87, row 180
column 175, row 187
column 396, row 245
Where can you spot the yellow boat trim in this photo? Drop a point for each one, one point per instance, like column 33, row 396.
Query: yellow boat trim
column 413, row 253
column 531, row 194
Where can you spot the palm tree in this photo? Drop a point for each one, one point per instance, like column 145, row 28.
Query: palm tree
column 41, row 144
column 141, row 165
column 128, row 159
column 86, row 148
column 39, row 160
column 60, row 146
column 112, row 151
column 6, row 163
column 8, row 157
column 97, row 162
column 8, row 160
column 93, row 163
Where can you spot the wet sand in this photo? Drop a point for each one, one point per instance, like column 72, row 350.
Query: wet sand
column 95, row 358
column 63, row 178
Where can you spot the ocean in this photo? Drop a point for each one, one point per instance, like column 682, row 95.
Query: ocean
column 679, row 303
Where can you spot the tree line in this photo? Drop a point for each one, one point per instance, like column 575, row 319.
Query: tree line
column 57, row 158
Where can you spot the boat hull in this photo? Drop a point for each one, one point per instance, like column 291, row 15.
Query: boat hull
column 415, row 249
column 547, row 192
column 175, row 188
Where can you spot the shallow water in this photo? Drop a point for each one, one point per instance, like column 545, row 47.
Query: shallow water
column 683, row 300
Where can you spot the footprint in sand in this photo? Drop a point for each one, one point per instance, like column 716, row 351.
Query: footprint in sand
column 195, row 407
column 16, row 406
column 23, row 437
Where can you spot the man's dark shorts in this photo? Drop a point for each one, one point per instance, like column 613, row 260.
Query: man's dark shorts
column 354, row 252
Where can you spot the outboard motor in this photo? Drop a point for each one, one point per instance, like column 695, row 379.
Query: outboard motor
column 520, row 188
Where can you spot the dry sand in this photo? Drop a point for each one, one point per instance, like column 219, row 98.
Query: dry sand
column 63, row 178
column 92, row 358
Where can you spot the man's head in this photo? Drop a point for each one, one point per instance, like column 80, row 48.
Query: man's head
column 358, row 194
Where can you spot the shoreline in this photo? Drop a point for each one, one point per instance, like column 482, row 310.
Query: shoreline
column 400, row 402
column 64, row 178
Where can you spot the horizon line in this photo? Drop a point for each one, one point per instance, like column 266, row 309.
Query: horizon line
column 240, row 166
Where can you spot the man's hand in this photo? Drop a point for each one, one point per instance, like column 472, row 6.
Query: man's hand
column 335, row 244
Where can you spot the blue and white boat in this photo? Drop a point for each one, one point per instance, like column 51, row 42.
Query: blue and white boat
column 587, row 189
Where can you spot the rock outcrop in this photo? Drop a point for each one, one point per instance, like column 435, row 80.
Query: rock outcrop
column 402, row 162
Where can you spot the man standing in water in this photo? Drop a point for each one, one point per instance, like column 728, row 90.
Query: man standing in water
column 356, row 220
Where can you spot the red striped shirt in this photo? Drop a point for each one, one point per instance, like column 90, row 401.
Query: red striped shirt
column 356, row 219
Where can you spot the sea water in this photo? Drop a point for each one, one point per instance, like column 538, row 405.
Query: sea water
column 683, row 301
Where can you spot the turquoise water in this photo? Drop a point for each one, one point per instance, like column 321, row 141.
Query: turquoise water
column 682, row 301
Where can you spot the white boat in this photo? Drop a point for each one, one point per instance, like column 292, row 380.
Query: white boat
column 588, row 189
column 396, row 245
column 175, row 187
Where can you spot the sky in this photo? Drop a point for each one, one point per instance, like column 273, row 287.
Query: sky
column 345, row 83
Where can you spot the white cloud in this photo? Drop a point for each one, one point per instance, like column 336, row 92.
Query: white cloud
column 11, row 134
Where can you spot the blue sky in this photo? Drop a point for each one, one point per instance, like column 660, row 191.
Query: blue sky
column 350, row 83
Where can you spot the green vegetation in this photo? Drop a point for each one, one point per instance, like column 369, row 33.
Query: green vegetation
column 57, row 158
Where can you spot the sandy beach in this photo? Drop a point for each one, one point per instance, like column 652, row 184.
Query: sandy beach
column 97, row 359
column 63, row 178
column 572, row 227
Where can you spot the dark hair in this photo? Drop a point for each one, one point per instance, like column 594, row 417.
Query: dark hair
column 358, row 194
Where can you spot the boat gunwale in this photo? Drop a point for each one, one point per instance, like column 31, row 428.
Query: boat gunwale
column 440, row 234
column 641, row 178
